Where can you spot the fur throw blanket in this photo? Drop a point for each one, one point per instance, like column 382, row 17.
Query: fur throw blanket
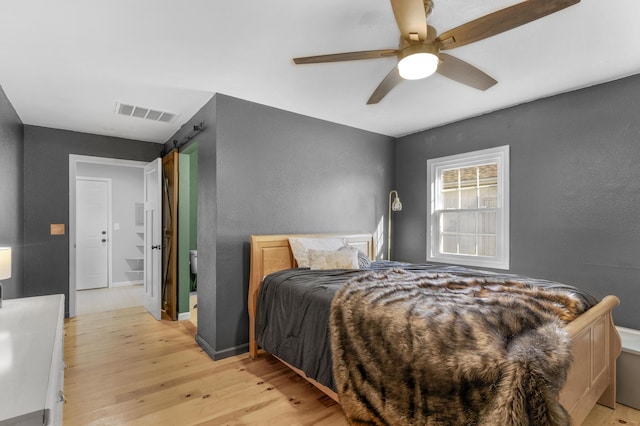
column 436, row 349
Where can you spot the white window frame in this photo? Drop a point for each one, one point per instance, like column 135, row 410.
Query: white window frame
column 435, row 166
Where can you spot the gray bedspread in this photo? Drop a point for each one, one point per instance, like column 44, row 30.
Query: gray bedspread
column 293, row 311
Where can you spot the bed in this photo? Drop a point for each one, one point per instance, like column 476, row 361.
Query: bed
column 595, row 342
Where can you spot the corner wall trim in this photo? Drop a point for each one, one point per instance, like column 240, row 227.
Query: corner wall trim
column 183, row 316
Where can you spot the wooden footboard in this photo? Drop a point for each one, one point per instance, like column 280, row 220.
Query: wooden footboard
column 596, row 342
column 596, row 346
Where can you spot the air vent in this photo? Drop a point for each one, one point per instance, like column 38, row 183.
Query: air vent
column 146, row 113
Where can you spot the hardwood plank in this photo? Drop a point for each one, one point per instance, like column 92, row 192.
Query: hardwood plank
column 124, row 367
column 622, row 415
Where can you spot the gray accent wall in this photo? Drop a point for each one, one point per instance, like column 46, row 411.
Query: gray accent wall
column 46, row 198
column 575, row 187
column 262, row 170
column 11, row 193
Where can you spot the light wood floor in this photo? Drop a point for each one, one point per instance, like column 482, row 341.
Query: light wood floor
column 108, row 299
column 124, row 367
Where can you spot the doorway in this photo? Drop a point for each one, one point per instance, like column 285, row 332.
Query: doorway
column 188, row 233
column 125, row 238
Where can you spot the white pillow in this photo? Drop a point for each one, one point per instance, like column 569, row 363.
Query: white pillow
column 340, row 259
column 301, row 246
column 363, row 260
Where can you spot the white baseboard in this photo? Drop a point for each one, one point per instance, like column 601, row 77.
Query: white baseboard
column 126, row 283
column 183, row 316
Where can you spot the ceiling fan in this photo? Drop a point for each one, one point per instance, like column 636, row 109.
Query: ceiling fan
column 419, row 52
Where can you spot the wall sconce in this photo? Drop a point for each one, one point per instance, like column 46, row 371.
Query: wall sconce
column 394, row 205
column 5, row 267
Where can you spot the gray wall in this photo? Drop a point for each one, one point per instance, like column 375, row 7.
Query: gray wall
column 575, row 187
column 127, row 189
column 11, row 193
column 267, row 171
column 46, row 198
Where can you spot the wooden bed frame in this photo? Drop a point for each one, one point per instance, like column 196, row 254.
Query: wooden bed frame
column 596, row 342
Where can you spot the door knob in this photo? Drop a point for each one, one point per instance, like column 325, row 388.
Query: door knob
column 104, row 232
column 104, row 240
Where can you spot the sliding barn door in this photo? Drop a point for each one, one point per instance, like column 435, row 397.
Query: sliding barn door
column 170, row 234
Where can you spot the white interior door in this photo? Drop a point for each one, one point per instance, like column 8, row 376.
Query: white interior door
column 153, row 237
column 92, row 242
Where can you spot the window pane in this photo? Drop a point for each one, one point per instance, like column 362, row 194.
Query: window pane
column 487, row 245
column 488, row 196
column 487, row 223
column 450, row 244
column 450, row 199
column 469, row 198
column 469, row 177
column 488, row 173
column 449, row 179
column 449, row 222
column 467, row 245
column 467, row 223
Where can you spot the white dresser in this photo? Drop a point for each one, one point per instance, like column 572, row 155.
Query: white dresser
column 31, row 361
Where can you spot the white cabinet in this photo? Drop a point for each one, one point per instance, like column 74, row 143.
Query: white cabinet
column 31, row 361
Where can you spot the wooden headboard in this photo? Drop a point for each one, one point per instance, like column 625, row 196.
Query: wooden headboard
column 272, row 253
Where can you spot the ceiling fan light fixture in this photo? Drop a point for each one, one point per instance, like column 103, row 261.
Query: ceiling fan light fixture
column 417, row 66
column 418, row 61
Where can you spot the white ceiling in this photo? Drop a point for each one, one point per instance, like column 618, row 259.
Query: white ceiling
column 65, row 63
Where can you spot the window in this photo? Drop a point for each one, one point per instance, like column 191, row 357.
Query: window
column 468, row 219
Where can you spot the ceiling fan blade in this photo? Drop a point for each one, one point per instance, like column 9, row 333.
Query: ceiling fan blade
column 349, row 56
column 385, row 86
column 411, row 18
column 463, row 72
column 500, row 21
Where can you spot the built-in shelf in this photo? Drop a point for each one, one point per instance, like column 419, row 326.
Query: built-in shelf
column 136, row 262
